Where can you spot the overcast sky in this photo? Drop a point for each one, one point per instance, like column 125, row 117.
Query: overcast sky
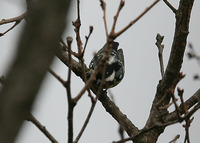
column 134, row 95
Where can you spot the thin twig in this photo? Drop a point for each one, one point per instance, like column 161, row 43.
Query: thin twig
column 170, row 6
column 169, row 92
column 160, row 46
column 77, row 25
column 136, row 19
column 81, row 59
column 56, row 76
column 87, row 38
column 103, row 6
column 69, row 96
column 180, row 94
column 176, row 106
column 187, row 115
column 16, row 23
column 86, row 121
column 42, row 128
column 121, row 5
column 69, row 42
column 17, row 20
column 168, row 105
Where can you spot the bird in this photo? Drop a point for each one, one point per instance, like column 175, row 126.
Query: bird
column 115, row 69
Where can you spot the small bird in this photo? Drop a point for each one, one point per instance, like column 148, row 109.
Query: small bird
column 114, row 72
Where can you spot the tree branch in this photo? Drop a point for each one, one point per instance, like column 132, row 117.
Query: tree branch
column 36, row 50
column 121, row 118
column 17, row 20
column 42, row 128
column 172, row 70
column 136, row 19
column 170, row 6
column 159, row 39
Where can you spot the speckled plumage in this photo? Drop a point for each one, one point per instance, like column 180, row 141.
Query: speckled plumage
column 115, row 69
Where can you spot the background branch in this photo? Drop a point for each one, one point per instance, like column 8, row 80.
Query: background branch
column 18, row 93
column 42, row 128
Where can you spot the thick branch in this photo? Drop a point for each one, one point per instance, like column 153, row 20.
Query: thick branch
column 172, row 70
column 36, row 50
column 178, row 46
column 121, row 118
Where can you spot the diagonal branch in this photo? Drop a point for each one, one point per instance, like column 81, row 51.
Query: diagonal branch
column 121, row 118
column 42, row 128
column 121, row 5
column 170, row 6
column 136, row 19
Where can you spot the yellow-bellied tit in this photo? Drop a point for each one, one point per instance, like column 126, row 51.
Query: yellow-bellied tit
column 114, row 71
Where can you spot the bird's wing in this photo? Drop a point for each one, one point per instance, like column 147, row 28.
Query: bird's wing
column 121, row 55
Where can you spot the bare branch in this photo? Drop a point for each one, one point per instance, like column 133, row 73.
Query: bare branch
column 136, row 19
column 86, row 122
column 103, row 6
column 170, row 6
column 17, row 20
column 99, row 92
column 121, row 118
column 42, row 128
column 194, row 99
column 56, row 76
column 69, row 42
column 71, row 103
column 121, row 5
column 77, row 25
column 87, row 38
column 159, row 39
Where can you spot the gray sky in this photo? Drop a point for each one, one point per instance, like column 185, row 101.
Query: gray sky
column 134, row 95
